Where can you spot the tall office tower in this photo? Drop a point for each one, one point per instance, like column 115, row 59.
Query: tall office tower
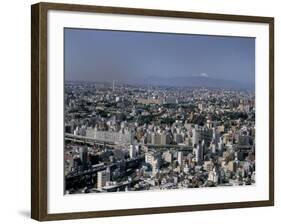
column 199, row 154
column 194, row 137
column 83, row 154
column 132, row 151
column 180, row 158
column 102, row 178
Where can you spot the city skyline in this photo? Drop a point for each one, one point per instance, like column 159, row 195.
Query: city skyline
column 154, row 111
column 146, row 58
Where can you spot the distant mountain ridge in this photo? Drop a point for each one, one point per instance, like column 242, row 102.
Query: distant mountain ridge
column 199, row 81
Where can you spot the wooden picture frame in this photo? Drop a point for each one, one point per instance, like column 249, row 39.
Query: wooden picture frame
column 39, row 108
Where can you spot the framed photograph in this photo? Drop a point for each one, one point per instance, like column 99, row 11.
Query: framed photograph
column 141, row 111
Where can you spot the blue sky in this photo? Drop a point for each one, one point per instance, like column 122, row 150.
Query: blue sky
column 102, row 55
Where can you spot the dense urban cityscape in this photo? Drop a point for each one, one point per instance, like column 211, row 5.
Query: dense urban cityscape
column 129, row 137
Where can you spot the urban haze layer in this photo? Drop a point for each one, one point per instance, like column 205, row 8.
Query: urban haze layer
column 154, row 111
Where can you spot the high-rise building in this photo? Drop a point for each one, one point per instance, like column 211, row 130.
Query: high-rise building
column 220, row 146
column 180, row 158
column 168, row 157
column 213, row 147
column 149, row 157
column 213, row 176
column 165, row 139
column 199, row 154
column 102, row 178
column 155, row 166
column 155, row 139
column 178, row 138
column 153, row 159
column 83, row 154
column 200, row 134
column 132, row 151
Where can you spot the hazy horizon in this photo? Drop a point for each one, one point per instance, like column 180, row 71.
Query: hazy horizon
column 164, row 58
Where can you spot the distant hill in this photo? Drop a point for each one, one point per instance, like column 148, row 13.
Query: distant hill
column 199, row 81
